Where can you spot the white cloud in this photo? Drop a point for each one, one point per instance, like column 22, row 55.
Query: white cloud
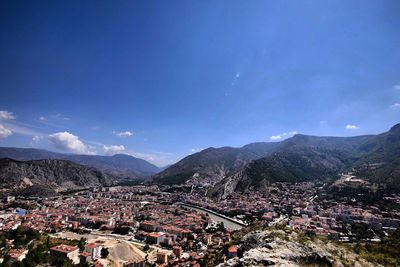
column 113, row 149
column 352, row 127
column 68, row 142
column 36, row 139
column 124, row 134
column 282, row 135
column 237, row 75
column 323, row 122
column 275, row 137
column 6, row 115
column 59, row 116
column 396, row 87
column 54, row 117
column 4, row 132
column 395, row 106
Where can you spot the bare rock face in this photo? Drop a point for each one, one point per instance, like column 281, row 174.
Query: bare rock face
column 25, row 182
column 280, row 248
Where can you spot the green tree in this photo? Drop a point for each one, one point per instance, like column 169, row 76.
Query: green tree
column 104, row 253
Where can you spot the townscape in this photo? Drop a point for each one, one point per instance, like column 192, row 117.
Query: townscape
column 154, row 225
column 187, row 133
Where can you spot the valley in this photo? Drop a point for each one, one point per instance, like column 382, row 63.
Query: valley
column 308, row 200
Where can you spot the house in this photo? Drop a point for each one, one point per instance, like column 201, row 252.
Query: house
column 66, row 251
column 135, row 263
column 148, row 226
column 155, row 238
column 85, row 257
column 94, row 250
column 162, row 257
column 232, row 251
column 18, row 254
column 177, row 250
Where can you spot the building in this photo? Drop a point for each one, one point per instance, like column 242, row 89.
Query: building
column 155, row 238
column 232, row 251
column 162, row 257
column 177, row 250
column 66, row 251
column 148, row 226
column 10, row 199
column 94, row 250
column 18, row 254
column 85, row 257
column 135, row 263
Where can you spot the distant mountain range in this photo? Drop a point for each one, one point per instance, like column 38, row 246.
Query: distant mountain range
column 299, row 158
column 120, row 166
column 47, row 177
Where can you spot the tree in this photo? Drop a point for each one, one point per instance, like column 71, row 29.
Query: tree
column 121, row 230
column 81, row 244
column 48, row 242
column 221, row 227
column 104, row 253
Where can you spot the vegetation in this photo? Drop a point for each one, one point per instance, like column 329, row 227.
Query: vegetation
column 38, row 246
column 386, row 253
column 121, row 230
column 104, row 253
column 21, row 236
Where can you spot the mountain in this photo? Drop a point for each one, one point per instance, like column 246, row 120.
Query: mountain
column 212, row 164
column 119, row 165
column 295, row 163
column 304, row 158
column 381, row 160
column 46, row 177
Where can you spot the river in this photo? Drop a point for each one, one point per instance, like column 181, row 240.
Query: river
column 229, row 224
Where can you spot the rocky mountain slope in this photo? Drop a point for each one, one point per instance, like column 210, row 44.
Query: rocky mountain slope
column 119, row 165
column 46, row 177
column 381, row 158
column 302, row 158
column 213, row 164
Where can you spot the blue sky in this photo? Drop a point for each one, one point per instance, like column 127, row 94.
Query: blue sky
column 162, row 79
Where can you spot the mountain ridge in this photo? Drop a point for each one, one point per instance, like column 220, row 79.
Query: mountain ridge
column 120, row 165
column 306, row 158
column 299, row 158
column 212, row 164
column 48, row 176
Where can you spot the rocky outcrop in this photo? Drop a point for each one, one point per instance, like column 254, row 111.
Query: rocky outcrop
column 288, row 248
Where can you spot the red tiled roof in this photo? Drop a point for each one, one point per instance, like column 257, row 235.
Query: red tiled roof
column 233, row 249
column 85, row 254
column 92, row 245
column 64, row 248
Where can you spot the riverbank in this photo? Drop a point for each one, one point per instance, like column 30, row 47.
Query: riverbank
column 229, row 223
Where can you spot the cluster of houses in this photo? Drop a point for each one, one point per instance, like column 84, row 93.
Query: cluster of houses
column 153, row 217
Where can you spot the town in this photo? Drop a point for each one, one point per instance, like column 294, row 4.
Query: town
column 176, row 226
